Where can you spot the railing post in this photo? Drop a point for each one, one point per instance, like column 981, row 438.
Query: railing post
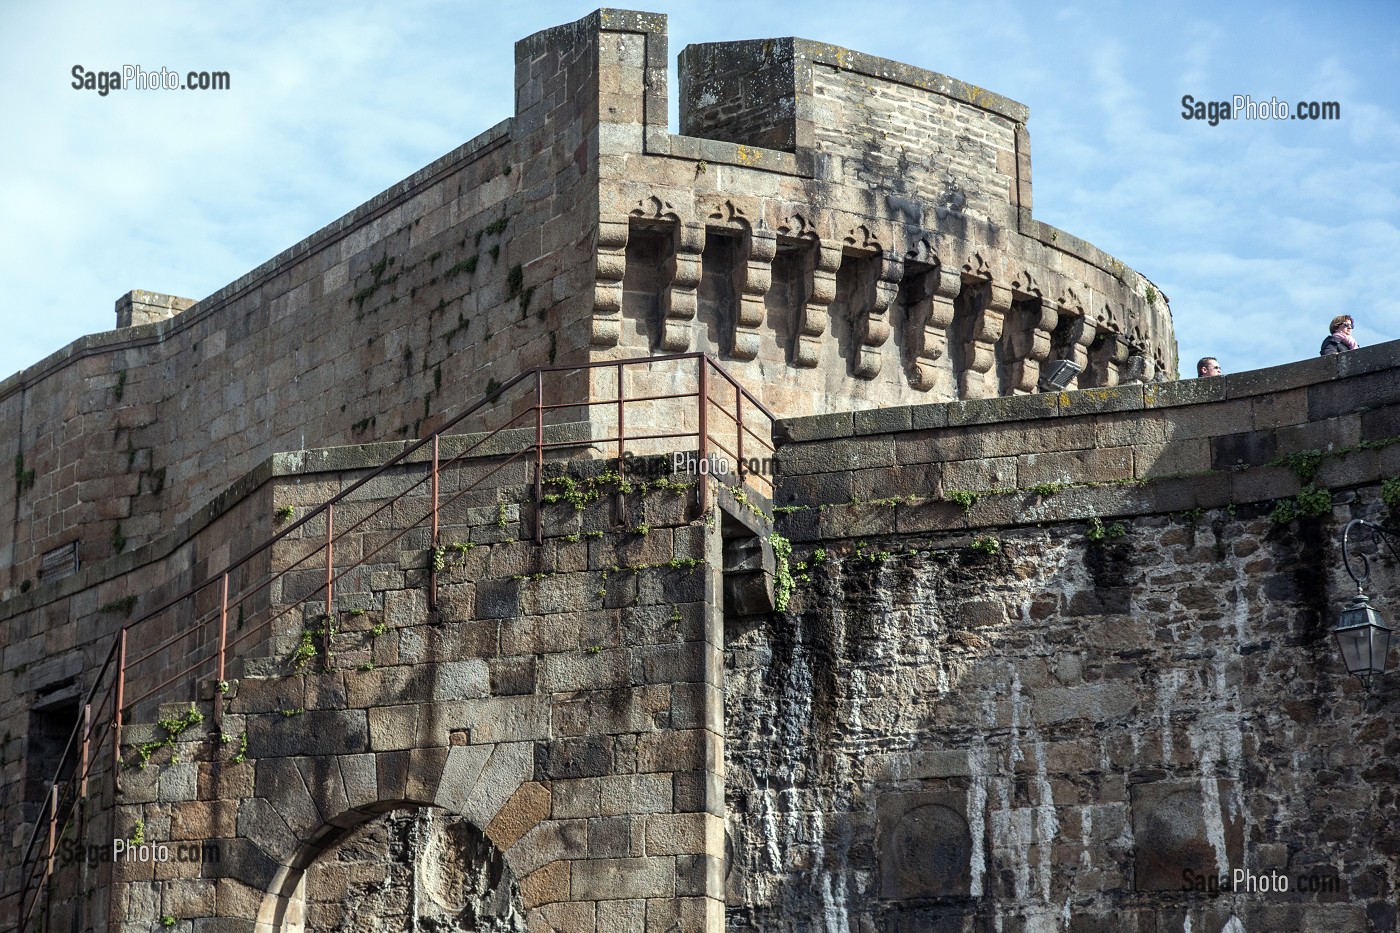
column 739, row 417
column 701, row 469
column 330, row 579
column 87, row 737
column 539, row 456
column 433, row 561
column 117, row 719
column 53, row 829
column 219, row 671
column 621, row 441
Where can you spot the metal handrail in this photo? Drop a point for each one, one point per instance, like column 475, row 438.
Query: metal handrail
column 95, row 730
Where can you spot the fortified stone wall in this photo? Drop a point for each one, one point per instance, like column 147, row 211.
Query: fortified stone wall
column 55, row 639
column 1042, row 653
column 850, row 232
column 542, row 745
column 374, row 328
column 1066, row 734
column 881, row 251
column 1049, row 674
column 1051, row 706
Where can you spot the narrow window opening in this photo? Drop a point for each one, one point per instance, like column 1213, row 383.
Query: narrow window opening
column 51, row 724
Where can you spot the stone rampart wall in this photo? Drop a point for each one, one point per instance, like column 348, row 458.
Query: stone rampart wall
column 557, row 713
column 1130, row 450
column 1071, row 667
column 1038, row 728
column 374, row 328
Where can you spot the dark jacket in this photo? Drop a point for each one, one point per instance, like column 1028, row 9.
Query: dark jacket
column 1332, row 344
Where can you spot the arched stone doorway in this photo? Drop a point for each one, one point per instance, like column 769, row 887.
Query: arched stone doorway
column 404, row 867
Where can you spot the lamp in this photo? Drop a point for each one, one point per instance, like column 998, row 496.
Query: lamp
column 1364, row 639
column 1361, row 632
column 1058, row 374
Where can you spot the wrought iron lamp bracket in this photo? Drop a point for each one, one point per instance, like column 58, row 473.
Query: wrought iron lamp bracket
column 1379, row 535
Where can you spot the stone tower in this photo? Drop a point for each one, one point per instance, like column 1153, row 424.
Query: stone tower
column 421, row 625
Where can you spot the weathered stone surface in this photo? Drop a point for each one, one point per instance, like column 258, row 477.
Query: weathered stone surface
column 527, row 807
column 926, row 846
column 1183, row 831
column 1019, row 712
column 619, row 878
column 308, row 732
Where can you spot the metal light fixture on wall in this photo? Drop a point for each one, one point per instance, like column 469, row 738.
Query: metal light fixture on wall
column 1361, row 632
column 1058, row 374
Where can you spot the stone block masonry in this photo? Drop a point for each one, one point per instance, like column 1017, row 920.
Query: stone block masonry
column 1105, row 453
column 554, row 723
column 1074, row 688
column 581, row 229
column 1043, row 659
column 1070, row 667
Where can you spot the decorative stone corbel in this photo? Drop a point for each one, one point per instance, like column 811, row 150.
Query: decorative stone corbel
column 763, row 247
column 1138, row 367
column 1108, row 317
column 871, row 327
column 823, row 259
column 1081, row 333
column 826, row 260
column 978, row 379
column 930, row 315
column 1114, row 350
column 753, row 270
column 1159, row 366
column 1031, row 347
column 679, row 301
column 682, row 272
column 610, row 268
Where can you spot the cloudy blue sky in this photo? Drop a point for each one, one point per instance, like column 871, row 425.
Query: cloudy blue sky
column 1259, row 232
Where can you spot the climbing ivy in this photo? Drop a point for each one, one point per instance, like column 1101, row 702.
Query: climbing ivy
column 173, row 729
column 783, row 583
column 1390, row 492
column 1312, row 502
column 1099, row 532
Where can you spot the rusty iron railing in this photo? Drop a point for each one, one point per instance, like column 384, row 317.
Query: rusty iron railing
column 133, row 673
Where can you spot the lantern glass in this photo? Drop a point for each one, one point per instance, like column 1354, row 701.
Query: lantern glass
column 1364, row 639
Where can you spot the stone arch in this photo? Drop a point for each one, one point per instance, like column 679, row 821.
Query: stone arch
column 488, row 787
column 439, row 865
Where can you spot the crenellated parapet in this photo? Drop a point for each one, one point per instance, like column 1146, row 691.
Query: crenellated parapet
column 856, row 230
column 918, row 312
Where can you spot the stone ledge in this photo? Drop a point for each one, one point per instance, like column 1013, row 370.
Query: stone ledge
column 1151, row 396
column 1022, row 506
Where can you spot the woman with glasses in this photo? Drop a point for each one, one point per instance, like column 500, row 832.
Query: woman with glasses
column 1340, row 339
